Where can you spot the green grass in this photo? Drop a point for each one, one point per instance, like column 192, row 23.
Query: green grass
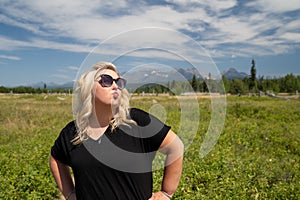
column 257, row 155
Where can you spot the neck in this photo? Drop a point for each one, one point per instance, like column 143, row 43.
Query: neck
column 103, row 114
column 99, row 121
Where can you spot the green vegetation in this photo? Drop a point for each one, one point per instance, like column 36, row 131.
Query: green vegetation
column 290, row 83
column 31, row 90
column 28, row 126
column 287, row 84
column 257, row 155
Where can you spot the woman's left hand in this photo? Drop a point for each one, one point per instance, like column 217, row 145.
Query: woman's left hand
column 159, row 196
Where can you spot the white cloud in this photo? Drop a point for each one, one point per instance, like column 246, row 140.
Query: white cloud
column 219, row 5
column 46, row 44
column 215, row 5
column 10, row 57
column 292, row 26
column 92, row 21
column 295, row 37
column 12, row 44
column 286, row 31
column 13, row 22
column 75, row 68
column 277, row 6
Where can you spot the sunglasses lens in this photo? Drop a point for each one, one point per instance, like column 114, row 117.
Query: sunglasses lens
column 107, row 81
column 121, row 83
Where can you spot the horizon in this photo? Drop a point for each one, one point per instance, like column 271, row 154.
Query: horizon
column 40, row 42
column 40, row 84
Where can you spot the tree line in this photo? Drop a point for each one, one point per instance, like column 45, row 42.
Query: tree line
column 31, row 90
column 289, row 83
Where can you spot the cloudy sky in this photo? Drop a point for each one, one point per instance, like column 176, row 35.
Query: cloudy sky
column 50, row 41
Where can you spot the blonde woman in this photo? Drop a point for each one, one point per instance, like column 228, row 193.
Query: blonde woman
column 110, row 147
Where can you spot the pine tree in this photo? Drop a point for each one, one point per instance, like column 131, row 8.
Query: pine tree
column 253, row 82
column 194, row 83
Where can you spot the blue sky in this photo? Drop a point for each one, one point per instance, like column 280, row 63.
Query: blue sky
column 50, row 41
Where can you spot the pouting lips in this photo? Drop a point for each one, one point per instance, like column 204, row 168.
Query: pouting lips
column 115, row 95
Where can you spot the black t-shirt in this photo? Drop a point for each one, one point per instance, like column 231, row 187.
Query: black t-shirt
column 119, row 164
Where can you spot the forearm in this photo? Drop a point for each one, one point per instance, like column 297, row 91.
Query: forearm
column 173, row 166
column 62, row 176
column 172, row 174
column 173, row 148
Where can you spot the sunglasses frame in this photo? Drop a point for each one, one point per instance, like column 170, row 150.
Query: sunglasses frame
column 111, row 80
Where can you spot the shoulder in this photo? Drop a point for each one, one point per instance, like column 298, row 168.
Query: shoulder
column 141, row 117
column 137, row 111
column 69, row 130
column 70, row 126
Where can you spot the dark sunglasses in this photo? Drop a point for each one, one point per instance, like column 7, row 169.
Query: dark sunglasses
column 107, row 81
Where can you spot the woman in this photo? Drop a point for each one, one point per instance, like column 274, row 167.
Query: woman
column 110, row 147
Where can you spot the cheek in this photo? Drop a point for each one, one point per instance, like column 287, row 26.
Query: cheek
column 103, row 96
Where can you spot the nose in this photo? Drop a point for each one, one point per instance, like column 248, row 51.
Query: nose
column 114, row 85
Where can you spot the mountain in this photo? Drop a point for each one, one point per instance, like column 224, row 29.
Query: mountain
column 160, row 75
column 52, row 85
column 189, row 73
column 68, row 85
column 148, row 75
column 232, row 73
column 36, row 85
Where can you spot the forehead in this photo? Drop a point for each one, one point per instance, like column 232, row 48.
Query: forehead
column 110, row 72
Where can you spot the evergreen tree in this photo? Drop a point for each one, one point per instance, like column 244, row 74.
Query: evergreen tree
column 226, row 84
column 253, row 83
column 237, row 86
column 194, row 83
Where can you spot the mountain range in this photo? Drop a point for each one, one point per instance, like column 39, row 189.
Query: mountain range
column 52, row 85
column 153, row 75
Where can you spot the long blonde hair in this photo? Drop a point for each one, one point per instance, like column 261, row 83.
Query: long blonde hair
column 83, row 102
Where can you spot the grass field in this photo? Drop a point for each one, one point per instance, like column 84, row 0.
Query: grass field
column 257, row 155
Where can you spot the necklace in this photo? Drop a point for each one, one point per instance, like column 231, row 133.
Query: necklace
column 93, row 135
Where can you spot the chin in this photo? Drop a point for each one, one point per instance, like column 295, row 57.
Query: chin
column 115, row 102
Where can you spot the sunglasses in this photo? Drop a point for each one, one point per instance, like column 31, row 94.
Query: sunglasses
column 107, row 81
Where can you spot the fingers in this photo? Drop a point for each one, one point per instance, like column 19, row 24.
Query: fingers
column 151, row 197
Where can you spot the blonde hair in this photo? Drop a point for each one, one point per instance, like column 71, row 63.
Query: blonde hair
column 83, row 102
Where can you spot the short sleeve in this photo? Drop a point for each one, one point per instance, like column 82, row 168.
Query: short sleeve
column 62, row 145
column 153, row 131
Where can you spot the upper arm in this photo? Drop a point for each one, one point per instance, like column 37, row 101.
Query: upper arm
column 171, row 144
column 62, row 146
column 56, row 165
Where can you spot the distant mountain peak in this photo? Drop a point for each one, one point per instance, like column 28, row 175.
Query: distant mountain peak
column 51, row 85
column 232, row 73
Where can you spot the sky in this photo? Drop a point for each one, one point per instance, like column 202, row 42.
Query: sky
column 54, row 41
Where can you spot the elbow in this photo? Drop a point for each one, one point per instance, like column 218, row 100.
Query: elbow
column 54, row 165
column 176, row 148
column 180, row 146
column 52, row 162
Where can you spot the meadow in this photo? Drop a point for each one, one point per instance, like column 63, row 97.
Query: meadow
column 257, row 155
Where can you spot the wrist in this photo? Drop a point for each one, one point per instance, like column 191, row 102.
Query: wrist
column 166, row 194
column 70, row 194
